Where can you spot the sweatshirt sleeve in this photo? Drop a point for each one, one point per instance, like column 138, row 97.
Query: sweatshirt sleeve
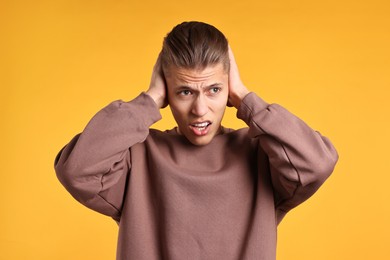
column 300, row 159
column 94, row 165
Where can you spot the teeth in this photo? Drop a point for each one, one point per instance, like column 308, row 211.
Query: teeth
column 201, row 124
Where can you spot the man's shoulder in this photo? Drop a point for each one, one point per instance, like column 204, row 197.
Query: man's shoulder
column 231, row 131
column 157, row 133
column 236, row 135
column 160, row 137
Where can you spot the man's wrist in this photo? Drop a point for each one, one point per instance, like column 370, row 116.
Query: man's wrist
column 156, row 98
column 239, row 96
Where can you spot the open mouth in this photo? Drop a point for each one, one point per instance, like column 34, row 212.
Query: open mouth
column 200, row 128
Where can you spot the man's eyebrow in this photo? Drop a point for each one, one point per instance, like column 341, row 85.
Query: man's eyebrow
column 181, row 87
column 214, row 85
column 184, row 87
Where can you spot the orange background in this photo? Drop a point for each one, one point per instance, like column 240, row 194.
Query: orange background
column 326, row 61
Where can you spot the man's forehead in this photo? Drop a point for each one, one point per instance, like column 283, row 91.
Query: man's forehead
column 180, row 73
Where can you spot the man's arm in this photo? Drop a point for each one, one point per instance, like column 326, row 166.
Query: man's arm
column 95, row 165
column 158, row 87
column 300, row 158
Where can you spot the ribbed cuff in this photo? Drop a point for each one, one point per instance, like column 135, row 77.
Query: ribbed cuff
column 145, row 107
column 250, row 103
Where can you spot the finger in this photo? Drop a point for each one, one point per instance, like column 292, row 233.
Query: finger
column 229, row 103
column 231, row 57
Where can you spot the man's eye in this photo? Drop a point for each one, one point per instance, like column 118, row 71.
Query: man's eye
column 185, row 92
column 215, row 90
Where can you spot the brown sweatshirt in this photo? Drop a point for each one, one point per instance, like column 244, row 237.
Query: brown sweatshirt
column 177, row 201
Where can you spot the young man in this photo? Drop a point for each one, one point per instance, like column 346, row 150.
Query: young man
column 198, row 191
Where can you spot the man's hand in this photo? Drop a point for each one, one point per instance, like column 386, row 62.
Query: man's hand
column 237, row 90
column 157, row 88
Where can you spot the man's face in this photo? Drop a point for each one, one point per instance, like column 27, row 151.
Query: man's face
column 198, row 101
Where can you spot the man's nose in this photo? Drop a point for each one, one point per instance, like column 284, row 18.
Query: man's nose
column 200, row 107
